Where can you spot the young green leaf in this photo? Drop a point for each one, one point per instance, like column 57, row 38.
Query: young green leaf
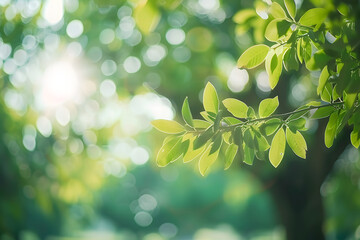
column 238, row 136
column 168, row 126
column 276, row 29
column 249, row 138
column 273, row 66
column 230, row 155
column 236, row 107
column 277, row 11
column 268, row 106
column 207, row 116
column 298, row 124
column 207, row 159
column 261, row 142
column 227, row 137
column 191, row 153
column 210, row 99
column 296, row 142
column 323, row 112
column 330, row 129
column 355, row 138
column 253, row 56
column 197, row 123
column 171, row 151
column 231, row 120
column 186, row 113
column 350, row 100
column 277, row 148
column 313, row 17
column 217, row 142
column 290, row 7
column 203, row 138
column 249, row 154
column 324, row 76
column 271, row 126
column 290, row 60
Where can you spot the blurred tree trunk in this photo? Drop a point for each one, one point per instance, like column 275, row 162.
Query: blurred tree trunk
column 296, row 190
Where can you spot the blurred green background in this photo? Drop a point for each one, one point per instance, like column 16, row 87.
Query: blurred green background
column 80, row 82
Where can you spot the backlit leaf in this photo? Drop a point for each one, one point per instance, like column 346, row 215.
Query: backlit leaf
column 277, row 11
column 324, row 76
column 249, row 154
column 193, row 153
column 170, row 152
column 236, row 107
column 273, row 66
column 197, row 123
column 168, row 126
column 230, row 155
column 313, row 16
column 268, row 106
column 203, row 138
column 271, row 126
column 253, row 56
column 276, row 29
column 323, row 112
column 186, row 113
column 210, row 99
column 277, row 148
column 330, row 129
column 296, row 142
column 207, row 159
column 146, row 17
column 290, row 7
column 355, row 138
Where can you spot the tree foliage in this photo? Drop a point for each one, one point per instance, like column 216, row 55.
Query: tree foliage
column 239, row 131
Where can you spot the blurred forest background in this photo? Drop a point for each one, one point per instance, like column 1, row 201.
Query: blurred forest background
column 80, row 82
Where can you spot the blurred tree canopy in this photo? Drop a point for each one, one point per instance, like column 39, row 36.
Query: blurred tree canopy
column 82, row 80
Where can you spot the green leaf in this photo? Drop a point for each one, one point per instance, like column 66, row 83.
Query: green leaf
column 317, row 61
column 236, row 107
column 168, row 126
column 268, row 106
column 326, row 93
column 238, row 136
column 210, row 99
column 313, row 17
column 324, row 76
column 217, row 142
column 171, row 151
column 197, row 123
column 147, row 17
column 251, row 113
column 298, row 124
column 230, row 155
column 296, row 142
column 299, row 50
column 277, row 11
column 186, row 113
column 207, row 116
column 249, row 155
column 193, row 153
column 207, row 159
column 203, row 138
column 271, row 126
column 330, row 129
column 249, row 138
column 290, row 7
column 231, row 120
column 277, row 148
column 227, row 137
column 261, row 142
column 323, row 112
column 273, row 66
column 276, row 29
column 355, row 138
column 350, row 100
column 253, row 56
column 290, row 60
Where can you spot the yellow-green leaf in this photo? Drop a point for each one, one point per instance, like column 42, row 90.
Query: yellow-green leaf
column 271, row 126
column 207, row 159
column 168, row 126
column 296, row 142
column 313, row 16
column 355, row 138
column 290, row 7
column 276, row 29
column 253, row 56
column 169, row 152
column 186, row 113
column 330, row 129
column 277, row 11
column 210, row 99
column 273, row 66
column 230, row 155
column 146, row 17
column 197, row 123
column 277, row 149
column 193, row 153
column 268, row 106
column 236, row 107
